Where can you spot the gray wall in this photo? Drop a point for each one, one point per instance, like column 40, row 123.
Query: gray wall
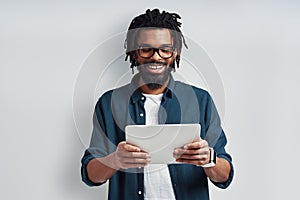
column 254, row 45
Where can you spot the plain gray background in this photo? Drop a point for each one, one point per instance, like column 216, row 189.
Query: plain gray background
column 255, row 46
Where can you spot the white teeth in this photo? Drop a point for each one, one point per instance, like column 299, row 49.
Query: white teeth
column 155, row 67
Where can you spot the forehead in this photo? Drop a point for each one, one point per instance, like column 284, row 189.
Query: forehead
column 154, row 37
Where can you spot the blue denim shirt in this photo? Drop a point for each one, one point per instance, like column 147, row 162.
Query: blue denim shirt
column 181, row 104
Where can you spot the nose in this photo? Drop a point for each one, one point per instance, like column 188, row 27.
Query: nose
column 156, row 56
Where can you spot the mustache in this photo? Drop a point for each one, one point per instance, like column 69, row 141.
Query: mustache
column 155, row 62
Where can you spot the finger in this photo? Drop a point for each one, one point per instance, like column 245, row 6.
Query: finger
column 128, row 147
column 196, row 145
column 192, row 151
column 126, row 160
column 126, row 163
column 187, row 151
column 191, row 154
column 128, row 154
column 203, row 157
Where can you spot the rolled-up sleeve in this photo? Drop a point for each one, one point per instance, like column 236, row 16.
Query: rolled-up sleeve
column 216, row 138
column 100, row 144
column 229, row 180
column 88, row 156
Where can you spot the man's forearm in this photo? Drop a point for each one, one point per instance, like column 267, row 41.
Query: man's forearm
column 101, row 169
column 220, row 172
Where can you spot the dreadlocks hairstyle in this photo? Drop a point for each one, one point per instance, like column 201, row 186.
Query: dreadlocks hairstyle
column 153, row 19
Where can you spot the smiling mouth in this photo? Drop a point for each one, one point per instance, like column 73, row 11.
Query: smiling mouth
column 155, row 69
column 156, row 66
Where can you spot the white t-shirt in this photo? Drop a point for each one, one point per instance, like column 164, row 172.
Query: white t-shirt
column 157, row 180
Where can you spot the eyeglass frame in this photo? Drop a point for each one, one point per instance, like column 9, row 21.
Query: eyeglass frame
column 173, row 49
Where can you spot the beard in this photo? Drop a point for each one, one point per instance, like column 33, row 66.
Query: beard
column 155, row 81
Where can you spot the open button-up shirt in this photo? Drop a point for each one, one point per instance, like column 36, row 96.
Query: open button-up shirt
column 181, row 104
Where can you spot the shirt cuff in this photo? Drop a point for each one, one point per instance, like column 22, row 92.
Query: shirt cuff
column 84, row 162
column 225, row 184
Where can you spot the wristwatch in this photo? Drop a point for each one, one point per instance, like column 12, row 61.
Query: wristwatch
column 212, row 158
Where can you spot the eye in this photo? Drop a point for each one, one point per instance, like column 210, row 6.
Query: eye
column 145, row 49
column 166, row 49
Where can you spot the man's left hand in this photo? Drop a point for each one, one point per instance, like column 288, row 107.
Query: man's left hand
column 196, row 153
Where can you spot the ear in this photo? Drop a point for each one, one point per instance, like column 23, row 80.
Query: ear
column 133, row 59
column 175, row 55
column 133, row 54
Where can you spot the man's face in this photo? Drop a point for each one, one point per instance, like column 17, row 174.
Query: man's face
column 155, row 69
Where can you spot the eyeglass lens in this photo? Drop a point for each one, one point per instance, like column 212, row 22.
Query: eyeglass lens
column 162, row 52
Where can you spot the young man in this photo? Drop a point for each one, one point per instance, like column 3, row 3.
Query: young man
column 154, row 43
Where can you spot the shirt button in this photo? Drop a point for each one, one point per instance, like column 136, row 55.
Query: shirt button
column 139, row 192
column 142, row 98
column 141, row 114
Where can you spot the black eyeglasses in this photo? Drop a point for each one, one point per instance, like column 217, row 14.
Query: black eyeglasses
column 163, row 52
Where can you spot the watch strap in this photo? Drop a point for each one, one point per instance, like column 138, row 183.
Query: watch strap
column 212, row 158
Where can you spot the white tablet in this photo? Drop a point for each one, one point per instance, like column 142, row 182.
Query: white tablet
column 161, row 140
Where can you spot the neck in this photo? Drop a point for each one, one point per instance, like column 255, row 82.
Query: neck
column 145, row 89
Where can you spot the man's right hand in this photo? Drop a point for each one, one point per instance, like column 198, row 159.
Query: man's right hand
column 129, row 156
